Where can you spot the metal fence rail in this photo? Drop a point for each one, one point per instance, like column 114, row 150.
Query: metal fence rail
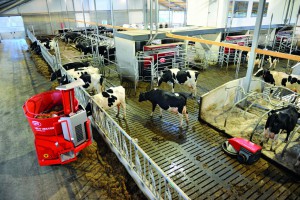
column 139, row 165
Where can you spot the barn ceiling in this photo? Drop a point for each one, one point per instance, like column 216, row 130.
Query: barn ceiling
column 173, row 4
column 9, row 4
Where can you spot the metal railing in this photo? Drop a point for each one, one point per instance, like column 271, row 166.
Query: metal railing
column 150, row 178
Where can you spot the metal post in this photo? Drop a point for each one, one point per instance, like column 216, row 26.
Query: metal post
column 67, row 14
column 287, row 11
column 259, row 17
column 266, row 41
column 169, row 14
column 151, row 22
column 291, row 11
column 293, row 36
column 268, row 34
column 185, row 14
column 97, row 50
column 84, row 17
column 226, row 24
column 74, row 10
column 49, row 17
column 156, row 15
column 112, row 15
column 145, row 8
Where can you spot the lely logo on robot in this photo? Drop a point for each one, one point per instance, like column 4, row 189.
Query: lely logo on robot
column 36, row 123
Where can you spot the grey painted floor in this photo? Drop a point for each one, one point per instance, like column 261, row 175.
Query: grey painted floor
column 20, row 175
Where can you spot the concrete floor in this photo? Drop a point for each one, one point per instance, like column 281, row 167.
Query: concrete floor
column 20, row 175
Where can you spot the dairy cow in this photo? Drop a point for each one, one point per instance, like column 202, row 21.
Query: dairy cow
column 278, row 120
column 174, row 102
column 291, row 81
column 184, row 77
column 112, row 97
column 93, row 82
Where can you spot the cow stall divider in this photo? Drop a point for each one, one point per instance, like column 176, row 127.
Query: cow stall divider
column 240, row 114
column 149, row 177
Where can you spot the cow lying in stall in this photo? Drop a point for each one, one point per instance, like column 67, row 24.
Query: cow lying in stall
column 278, row 120
column 291, row 81
column 174, row 102
column 184, row 77
column 112, row 97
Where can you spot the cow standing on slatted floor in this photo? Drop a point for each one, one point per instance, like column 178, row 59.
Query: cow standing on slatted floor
column 174, row 102
column 278, row 120
column 184, row 77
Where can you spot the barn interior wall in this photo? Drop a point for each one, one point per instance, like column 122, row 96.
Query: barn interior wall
column 200, row 13
column 200, row 47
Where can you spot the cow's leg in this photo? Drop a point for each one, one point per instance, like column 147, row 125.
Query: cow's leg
column 194, row 89
column 153, row 108
column 173, row 86
column 160, row 112
column 275, row 140
column 180, row 119
column 264, row 135
column 275, row 62
column 118, row 106
column 124, row 110
column 287, row 135
column 186, row 114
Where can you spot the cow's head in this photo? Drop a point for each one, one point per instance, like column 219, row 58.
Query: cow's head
column 142, row 97
column 266, row 75
column 64, row 80
column 55, row 75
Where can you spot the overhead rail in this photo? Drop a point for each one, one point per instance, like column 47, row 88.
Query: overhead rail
column 235, row 46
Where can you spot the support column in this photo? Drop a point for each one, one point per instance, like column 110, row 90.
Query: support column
column 261, row 6
column 49, row 17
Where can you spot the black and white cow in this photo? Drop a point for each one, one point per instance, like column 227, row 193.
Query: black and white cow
column 291, row 81
column 174, row 102
column 112, row 97
column 93, row 82
column 184, row 77
column 74, row 73
column 272, row 61
column 278, row 120
column 75, row 65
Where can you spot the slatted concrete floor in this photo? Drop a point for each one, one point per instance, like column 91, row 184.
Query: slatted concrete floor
column 192, row 156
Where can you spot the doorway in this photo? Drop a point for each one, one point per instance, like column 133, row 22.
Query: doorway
column 12, row 27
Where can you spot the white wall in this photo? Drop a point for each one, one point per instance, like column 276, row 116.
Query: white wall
column 214, row 13
column 136, row 17
column 197, row 12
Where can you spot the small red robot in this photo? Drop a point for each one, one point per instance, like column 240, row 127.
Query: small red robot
column 247, row 152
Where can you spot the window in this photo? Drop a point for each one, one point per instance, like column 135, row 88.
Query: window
column 255, row 9
column 11, row 24
column 240, row 9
